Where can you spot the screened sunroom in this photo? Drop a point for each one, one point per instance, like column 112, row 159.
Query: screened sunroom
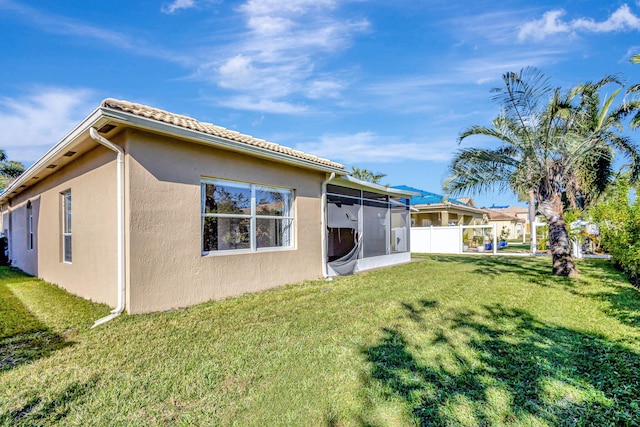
column 368, row 226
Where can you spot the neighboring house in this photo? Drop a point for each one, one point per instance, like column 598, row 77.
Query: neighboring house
column 519, row 212
column 431, row 209
column 147, row 210
column 512, row 224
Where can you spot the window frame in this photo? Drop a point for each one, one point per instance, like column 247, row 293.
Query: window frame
column 253, row 216
column 67, row 226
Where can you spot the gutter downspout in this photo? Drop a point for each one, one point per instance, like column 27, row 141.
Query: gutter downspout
column 120, row 227
column 323, row 221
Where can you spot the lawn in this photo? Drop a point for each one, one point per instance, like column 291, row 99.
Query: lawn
column 448, row 340
column 517, row 247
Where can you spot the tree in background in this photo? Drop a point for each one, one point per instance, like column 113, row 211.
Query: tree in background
column 367, row 175
column 618, row 220
column 634, row 92
column 9, row 170
column 548, row 142
column 596, row 132
column 617, row 216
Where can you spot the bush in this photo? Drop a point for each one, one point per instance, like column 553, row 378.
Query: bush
column 542, row 243
column 619, row 223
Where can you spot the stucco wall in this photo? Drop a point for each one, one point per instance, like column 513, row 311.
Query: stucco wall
column 92, row 274
column 166, row 268
column 511, row 227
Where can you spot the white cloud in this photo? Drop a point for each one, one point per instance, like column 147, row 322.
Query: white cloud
column 548, row 25
column 367, row 147
column 491, row 48
column 494, row 27
column 177, row 5
column 290, row 7
column 34, row 123
column 87, row 32
column 621, row 20
column 324, row 88
column 280, row 53
column 552, row 23
column 250, row 103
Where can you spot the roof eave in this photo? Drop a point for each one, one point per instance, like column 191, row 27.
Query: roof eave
column 449, row 206
column 103, row 115
column 195, row 136
column 364, row 185
column 16, row 187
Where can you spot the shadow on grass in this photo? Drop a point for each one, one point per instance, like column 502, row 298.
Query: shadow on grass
column 497, row 265
column 500, row 366
column 23, row 338
column 37, row 411
column 621, row 298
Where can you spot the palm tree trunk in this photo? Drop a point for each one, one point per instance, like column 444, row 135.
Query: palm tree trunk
column 563, row 264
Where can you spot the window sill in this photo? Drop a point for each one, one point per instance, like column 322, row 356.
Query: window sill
column 246, row 251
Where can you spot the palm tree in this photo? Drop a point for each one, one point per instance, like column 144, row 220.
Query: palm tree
column 633, row 92
column 366, row 175
column 596, row 138
column 9, row 170
column 549, row 151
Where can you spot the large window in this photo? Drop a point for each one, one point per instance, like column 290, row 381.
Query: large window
column 29, row 226
column 66, row 226
column 237, row 216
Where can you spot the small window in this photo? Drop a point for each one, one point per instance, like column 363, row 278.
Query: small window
column 242, row 216
column 29, row 226
column 66, row 226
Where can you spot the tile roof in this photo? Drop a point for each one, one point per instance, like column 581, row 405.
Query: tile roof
column 511, row 209
column 467, row 201
column 500, row 214
column 211, row 129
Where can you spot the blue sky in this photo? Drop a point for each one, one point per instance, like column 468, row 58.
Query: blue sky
column 384, row 85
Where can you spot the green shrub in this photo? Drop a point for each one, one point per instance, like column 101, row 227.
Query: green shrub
column 542, row 243
column 619, row 223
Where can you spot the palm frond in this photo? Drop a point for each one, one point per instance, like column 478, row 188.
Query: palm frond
column 476, row 170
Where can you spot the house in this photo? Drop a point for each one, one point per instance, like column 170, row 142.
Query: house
column 431, row 209
column 506, row 222
column 147, row 210
column 519, row 212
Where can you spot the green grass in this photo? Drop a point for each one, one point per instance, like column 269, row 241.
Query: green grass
column 516, row 247
column 449, row 340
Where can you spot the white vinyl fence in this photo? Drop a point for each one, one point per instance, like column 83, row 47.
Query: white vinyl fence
column 445, row 240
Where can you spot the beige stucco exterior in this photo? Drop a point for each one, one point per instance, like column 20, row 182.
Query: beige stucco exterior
column 514, row 228
column 513, row 219
column 92, row 272
column 165, row 158
column 166, row 267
